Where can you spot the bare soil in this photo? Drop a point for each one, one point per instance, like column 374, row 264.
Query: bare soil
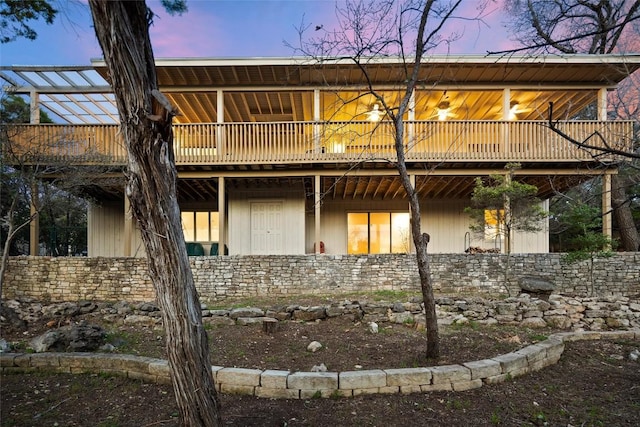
column 594, row 384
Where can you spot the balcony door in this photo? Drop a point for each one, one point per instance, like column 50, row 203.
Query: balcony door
column 266, row 228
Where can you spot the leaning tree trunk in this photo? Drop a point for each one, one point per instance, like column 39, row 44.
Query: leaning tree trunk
column 122, row 28
column 421, row 241
column 629, row 238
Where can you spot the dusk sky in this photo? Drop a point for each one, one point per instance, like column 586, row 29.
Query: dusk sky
column 224, row 28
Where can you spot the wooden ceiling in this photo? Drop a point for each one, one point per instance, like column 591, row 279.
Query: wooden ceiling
column 281, row 89
column 380, row 187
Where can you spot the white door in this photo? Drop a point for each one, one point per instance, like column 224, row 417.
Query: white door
column 266, row 228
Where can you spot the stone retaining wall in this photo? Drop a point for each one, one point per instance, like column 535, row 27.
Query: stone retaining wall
column 305, row 385
column 217, row 278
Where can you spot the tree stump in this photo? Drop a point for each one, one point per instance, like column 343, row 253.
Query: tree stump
column 270, row 326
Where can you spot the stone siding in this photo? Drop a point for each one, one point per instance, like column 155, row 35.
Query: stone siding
column 217, row 278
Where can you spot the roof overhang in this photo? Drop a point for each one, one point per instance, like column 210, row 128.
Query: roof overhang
column 435, row 69
column 82, row 94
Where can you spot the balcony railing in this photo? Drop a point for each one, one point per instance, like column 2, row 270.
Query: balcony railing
column 311, row 142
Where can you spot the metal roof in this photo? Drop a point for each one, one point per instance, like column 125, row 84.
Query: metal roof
column 81, row 94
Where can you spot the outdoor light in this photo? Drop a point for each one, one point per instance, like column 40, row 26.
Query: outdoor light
column 513, row 110
column 443, row 110
column 375, row 115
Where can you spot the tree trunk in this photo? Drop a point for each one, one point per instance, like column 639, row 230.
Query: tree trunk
column 421, row 241
column 122, row 28
column 629, row 238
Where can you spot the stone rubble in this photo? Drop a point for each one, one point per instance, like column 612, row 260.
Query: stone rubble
column 557, row 311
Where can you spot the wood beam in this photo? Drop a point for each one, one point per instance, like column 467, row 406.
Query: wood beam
column 221, row 216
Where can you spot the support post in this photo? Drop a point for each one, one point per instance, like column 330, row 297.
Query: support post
column 506, row 116
column 221, row 216
column 607, row 227
column 316, row 126
column 34, row 226
column 412, row 181
column 34, row 108
column 316, row 204
column 602, row 104
column 128, row 227
column 506, row 103
column 221, row 148
column 411, row 116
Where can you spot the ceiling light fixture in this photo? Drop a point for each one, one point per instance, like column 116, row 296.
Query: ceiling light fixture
column 443, row 110
column 514, row 110
column 375, row 115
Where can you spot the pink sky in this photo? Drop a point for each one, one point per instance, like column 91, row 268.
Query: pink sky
column 225, row 28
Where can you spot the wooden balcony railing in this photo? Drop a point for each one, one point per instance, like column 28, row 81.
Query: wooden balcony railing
column 307, row 142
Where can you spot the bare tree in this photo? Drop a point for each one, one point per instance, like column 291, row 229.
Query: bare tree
column 122, row 28
column 404, row 30
column 32, row 179
column 571, row 26
column 592, row 27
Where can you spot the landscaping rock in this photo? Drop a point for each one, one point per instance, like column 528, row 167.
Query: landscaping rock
column 310, row 314
column 62, row 309
column 9, row 316
column 218, row 320
column 243, row 321
column 137, row 319
column 404, row 317
column 319, row 368
column 373, row 327
column 398, row 307
column 147, row 306
column 533, row 322
column 246, row 312
column 536, row 285
column 314, row 346
column 75, row 338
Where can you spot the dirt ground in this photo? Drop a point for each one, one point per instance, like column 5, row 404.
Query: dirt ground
column 594, row 384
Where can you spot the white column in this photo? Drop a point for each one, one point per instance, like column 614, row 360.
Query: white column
column 506, row 107
column 411, row 116
column 220, row 142
column 221, row 216
column 316, row 204
column 316, row 119
column 602, row 104
column 506, row 103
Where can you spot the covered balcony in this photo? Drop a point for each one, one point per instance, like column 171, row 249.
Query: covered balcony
column 229, row 144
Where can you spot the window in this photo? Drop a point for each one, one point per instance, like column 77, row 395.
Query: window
column 493, row 223
column 200, row 226
column 378, row 232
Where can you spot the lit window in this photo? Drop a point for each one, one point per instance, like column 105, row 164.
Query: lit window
column 378, row 232
column 200, row 226
column 493, row 221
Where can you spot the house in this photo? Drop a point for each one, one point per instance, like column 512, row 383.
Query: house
column 291, row 156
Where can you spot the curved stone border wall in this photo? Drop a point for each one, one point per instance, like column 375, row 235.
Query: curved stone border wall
column 304, row 385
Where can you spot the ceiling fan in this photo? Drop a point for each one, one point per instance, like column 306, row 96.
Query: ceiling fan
column 375, row 114
column 515, row 108
column 444, row 111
